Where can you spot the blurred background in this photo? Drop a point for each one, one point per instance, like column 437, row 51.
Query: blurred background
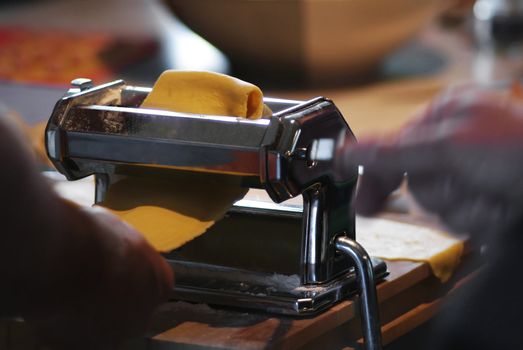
column 379, row 60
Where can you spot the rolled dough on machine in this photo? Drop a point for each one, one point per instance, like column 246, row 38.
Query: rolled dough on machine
column 276, row 257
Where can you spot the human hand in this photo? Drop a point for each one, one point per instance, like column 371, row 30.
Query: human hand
column 80, row 276
column 463, row 158
column 107, row 301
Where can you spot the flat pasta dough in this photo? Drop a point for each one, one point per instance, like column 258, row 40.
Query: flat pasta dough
column 37, row 136
column 34, row 134
column 172, row 211
column 393, row 240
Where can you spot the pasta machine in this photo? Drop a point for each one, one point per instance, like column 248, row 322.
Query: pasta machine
column 279, row 256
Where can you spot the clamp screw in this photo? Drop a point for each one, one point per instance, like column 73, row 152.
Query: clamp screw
column 298, row 154
column 82, row 83
column 302, row 154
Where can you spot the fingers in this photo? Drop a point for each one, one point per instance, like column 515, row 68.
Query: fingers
column 373, row 191
column 440, row 185
column 132, row 253
column 384, row 166
column 117, row 299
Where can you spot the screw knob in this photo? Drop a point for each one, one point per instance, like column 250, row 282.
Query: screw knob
column 82, row 83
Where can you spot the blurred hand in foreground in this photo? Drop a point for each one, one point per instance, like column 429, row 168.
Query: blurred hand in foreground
column 463, row 159
column 80, row 276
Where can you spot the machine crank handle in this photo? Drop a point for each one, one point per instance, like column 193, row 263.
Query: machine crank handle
column 370, row 322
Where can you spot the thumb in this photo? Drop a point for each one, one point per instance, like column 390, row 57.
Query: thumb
column 383, row 167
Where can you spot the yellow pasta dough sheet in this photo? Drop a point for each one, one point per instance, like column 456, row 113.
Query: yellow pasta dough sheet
column 205, row 93
column 393, row 240
column 34, row 134
column 172, row 211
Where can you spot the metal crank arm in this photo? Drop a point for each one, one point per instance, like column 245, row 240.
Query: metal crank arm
column 370, row 322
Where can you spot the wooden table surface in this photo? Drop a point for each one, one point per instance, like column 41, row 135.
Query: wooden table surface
column 408, row 297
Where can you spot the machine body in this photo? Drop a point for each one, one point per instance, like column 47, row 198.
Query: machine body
column 275, row 257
